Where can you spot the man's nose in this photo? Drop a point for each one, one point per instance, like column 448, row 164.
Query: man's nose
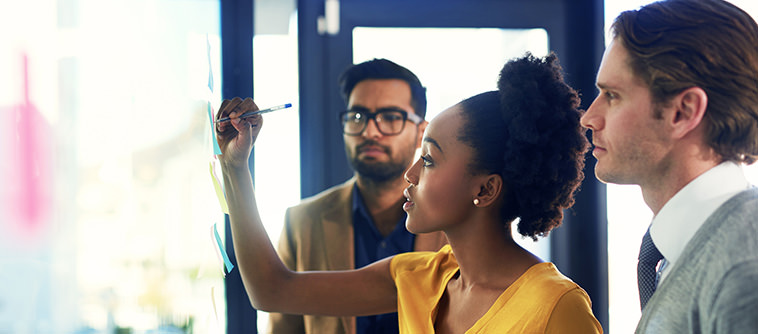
column 591, row 119
column 372, row 129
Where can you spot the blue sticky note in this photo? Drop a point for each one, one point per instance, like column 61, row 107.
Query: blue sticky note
column 216, row 148
column 227, row 264
column 210, row 67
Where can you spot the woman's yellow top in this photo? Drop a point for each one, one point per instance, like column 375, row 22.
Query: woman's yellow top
column 542, row 300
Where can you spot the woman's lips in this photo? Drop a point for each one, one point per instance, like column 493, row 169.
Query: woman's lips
column 408, row 203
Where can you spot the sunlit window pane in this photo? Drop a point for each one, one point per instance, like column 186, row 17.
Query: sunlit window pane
column 277, row 150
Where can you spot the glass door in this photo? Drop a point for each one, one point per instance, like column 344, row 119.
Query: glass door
column 468, row 41
column 452, row 74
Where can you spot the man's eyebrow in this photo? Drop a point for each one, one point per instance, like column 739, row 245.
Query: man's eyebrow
column 358, row 107
column 390, row 108
column 606, row 86
column 433, row 142
column 364, row 109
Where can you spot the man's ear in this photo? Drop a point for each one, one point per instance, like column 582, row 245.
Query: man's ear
column 420, row 133
column 688, row 111
column 489, row 190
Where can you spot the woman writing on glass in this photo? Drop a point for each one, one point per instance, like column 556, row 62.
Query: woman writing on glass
column 513, row 153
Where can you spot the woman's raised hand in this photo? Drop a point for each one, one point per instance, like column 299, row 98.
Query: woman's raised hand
column 271, row 286
column 237, row 136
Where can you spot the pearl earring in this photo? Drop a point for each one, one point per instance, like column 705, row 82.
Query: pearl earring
column 476, row 201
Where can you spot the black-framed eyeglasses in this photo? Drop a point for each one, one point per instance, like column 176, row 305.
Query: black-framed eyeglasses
column 389, row 121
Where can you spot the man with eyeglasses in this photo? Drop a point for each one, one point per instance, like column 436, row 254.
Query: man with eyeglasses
column 361, row 221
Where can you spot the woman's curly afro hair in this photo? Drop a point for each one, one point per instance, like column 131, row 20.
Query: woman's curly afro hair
column 529, row 133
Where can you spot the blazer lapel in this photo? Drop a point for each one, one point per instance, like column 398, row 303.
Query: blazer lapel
column 337, row 222
column 338, row 231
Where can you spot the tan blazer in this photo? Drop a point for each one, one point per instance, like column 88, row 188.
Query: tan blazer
column 318, row 235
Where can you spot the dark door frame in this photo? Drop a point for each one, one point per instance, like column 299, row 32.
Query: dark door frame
column 237, row 31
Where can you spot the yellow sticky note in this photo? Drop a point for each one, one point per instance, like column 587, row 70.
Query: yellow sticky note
column 219, row 191
column 215, row 311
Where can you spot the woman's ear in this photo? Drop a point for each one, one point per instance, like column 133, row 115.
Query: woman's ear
column 490, row 189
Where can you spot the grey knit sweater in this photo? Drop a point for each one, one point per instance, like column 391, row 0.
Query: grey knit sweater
column 713, row 287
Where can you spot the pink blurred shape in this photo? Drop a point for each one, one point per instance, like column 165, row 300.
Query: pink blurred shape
column 30, row 181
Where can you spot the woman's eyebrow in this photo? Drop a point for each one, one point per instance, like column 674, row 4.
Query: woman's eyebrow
column 433, row 142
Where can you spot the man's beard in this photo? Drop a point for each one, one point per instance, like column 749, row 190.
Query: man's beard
column 377, row 171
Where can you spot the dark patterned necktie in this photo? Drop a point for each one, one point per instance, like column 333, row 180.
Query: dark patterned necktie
column 646, row 273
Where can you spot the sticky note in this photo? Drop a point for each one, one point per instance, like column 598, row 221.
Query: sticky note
column 228, row 266
column 216, row 148
column 219, row 191
column 213, row 301
column 210, row 67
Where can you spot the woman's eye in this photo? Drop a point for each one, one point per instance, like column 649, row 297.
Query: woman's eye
column 427, row 160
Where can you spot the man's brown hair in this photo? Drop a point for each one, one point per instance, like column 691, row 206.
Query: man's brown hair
column 678, row 44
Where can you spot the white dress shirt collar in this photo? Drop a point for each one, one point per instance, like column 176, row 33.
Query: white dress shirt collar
column 679, row 219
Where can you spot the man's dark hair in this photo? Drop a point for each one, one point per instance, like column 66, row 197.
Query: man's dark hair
column 384, row 69
column 678, row 44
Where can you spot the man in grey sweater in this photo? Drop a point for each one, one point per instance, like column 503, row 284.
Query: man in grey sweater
column 677, row 114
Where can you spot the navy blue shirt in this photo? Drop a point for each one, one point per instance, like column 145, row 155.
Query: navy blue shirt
column 371, row 246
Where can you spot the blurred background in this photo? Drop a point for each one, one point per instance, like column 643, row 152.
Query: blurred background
column 107, row 202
